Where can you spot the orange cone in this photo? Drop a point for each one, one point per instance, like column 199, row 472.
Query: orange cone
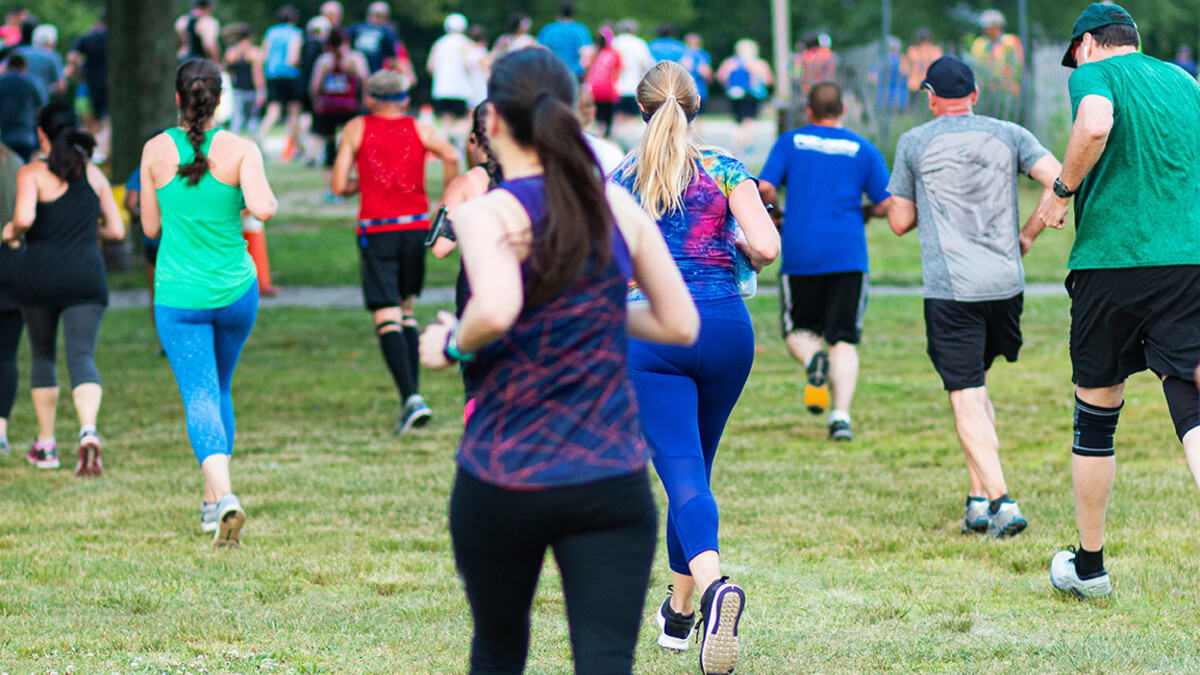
column 289, row 150
column 256, row 243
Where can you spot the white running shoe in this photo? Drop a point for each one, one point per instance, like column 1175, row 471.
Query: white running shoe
column 1066, row 579
column 975, row 519
column 1006, row 522
column 230, row 519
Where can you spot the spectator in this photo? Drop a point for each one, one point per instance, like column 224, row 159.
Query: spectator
column 450, row 65
column 21, row 96
column 667, row 46
column 891, row 91
column 516, row 35
column 41, row 59
column 1183, row 59
column 566, row 37
column 918, row 57
column 999, row 59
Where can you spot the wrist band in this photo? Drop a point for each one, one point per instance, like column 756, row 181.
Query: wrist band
column 451, row 351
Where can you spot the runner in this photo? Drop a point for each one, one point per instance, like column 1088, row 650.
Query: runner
column 332, row 11
column 699, row 63
column 197, row 178
column 315, row 36
column 667, row 46
column 199, row 33
column 956, row 178
column 21, row 96
column 376, row 40
column 88, row 59
column 283, row 44
column 700, row 197
column 336, row 90
column 244, row 63
column 43, row 62
column 608, row 154
column 600, row 80
column 636, row 59
column 450, row 65
column 387, row 147
column 553, row 455
column 61, row 277
column 823, row 280
column 1133, row 164
column 745, row 78
column 516, row 35
column 11, row 323
column 566, row 37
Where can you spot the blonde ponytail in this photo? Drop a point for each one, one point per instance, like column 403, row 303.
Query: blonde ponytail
column 666, row 159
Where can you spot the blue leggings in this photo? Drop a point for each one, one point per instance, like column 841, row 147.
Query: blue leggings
column 203, row 346
column 685, row 395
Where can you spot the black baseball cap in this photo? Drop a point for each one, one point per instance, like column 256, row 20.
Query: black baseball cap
column 949, row 77
column 1096, row 15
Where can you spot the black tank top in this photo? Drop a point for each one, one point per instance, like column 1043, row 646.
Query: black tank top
column 241, row 72
column 62, row 265
column 195, row 48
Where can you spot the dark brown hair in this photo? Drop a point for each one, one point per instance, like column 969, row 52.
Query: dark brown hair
column 825, row 101
column 70, row 146
column 198, row 83
column 534, row 93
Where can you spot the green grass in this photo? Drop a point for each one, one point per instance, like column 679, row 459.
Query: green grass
column 850, row 554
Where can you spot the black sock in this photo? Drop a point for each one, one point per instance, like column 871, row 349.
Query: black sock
column 413, row 336
column 1089, row 564
column 975, row 499
column 395, row 354
column 994, row 507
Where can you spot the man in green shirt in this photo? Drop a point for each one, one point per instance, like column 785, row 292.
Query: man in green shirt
column 1133, row 166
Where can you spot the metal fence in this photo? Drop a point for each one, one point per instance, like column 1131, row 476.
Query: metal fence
column 882, row 109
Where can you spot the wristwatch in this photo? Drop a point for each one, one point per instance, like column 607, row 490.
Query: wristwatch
column 451, row 351
column 1060, row 189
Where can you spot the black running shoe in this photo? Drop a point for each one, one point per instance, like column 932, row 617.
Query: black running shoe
column 816, row 392
column 839, row 430
column 720, row 610
column 676, row 627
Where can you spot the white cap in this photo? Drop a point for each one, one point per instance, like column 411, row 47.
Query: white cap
column 455, row 23
column 45, row 35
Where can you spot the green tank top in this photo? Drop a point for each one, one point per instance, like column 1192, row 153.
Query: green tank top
column 202, row 259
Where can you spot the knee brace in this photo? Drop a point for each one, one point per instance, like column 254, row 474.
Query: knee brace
column 1094, row 429
column 1184, row 404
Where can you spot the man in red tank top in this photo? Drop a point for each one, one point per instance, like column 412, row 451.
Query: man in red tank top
column 388, row 149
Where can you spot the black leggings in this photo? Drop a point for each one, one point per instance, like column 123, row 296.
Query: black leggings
column 10, row 339
column 603, row 537
column 81, row 328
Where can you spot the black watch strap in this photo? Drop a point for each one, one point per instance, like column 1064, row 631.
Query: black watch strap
column 1061, row 190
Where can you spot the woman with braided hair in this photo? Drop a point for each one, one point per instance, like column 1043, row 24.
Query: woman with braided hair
column 197, row 178
column 60, row 278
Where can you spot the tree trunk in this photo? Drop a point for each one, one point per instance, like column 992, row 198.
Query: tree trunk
column 141, row 77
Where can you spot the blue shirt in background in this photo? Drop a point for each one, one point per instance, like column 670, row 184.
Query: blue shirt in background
column 277, row 42
column 565, row 39
column 376, row 41
column 21, row 96
column 826, row 170
column 692, row 60
column 667, row 49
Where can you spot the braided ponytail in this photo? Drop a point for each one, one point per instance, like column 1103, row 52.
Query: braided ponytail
column 198, row 84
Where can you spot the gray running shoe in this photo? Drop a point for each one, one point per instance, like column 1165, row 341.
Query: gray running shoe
column 1006, row 522
column 5, row 448
column 976, row 517
column 1064, row 578
column 839, row 430
column 230, row 519
column 415, row 413
column 208, row 517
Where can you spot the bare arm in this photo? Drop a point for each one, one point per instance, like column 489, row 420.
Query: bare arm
column 879, row 210
column 1089, row 137
column 319, row 70
column 670, row 315
column 768, row 192
column 1044, row 171
column 493, row 262
column 902, row 215
column 151, row 216
column 460, row 190
column 438, row 145
column 114, row 224
column 252, row 176
column 340, row 184
column 762, row 240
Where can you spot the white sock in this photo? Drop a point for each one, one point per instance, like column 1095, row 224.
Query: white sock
column 87, row 428
column 838, row 415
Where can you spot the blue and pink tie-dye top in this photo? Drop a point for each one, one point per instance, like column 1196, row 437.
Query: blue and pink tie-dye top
column 700, row 235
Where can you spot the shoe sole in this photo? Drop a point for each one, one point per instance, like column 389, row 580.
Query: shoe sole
column 816, row 399
column 415, row 421
column 667, row 641
column 229, row 529
column 1078, row 594
column 1011, row 530
column 89, row 461
column 975, row 529
column 719, row 651
column 52, row 464
column 842, row 437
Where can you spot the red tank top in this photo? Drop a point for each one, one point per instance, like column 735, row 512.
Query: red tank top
column 391, row 176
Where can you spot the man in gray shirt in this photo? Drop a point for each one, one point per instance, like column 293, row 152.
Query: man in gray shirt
column 955, row 180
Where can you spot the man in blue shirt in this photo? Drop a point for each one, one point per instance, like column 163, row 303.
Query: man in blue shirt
column 699, row 64
column 566, row 37
column 21, row 97
column 823, row 279
column 667, row 47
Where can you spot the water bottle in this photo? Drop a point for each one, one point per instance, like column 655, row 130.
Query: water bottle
column 744, row 272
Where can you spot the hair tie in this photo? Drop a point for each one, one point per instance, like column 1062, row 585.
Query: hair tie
column 691, row 116
column 82, row 150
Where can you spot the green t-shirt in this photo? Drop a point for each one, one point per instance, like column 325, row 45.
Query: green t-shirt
column 1140, row 205
column 202, row 260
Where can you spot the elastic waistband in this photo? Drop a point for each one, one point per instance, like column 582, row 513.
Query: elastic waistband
column 732, row 307
column 393, row 224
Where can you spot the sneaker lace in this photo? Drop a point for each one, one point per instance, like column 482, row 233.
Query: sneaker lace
column 702, row 620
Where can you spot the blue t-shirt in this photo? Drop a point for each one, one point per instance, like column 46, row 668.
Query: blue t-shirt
column 692, row 60
column 376, row 41
column 21, row 97
column 565, row 39
column 700, row 235
column 827, row 171
column 667, row 49
column 278, row 41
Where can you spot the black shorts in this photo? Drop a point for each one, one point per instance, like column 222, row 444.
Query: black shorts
column 393, row 267
column 150, row 250
column 965, row 337
column 283, row 90
column 99, row 98
column 1124, row 321
column 454, row 107
column 329, row 125
column 745, row 108
column 628, row 105
column 604, row 113
column 829, row 305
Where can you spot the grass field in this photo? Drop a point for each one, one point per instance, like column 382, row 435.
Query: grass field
column 850, row 554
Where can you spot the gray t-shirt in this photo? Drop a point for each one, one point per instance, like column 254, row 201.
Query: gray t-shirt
column 962, row 171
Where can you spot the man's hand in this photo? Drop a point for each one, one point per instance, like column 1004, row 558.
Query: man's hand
column 433, row 342
column 1052, row 209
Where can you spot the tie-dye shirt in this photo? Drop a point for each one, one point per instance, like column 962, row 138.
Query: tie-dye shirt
column 700, row 235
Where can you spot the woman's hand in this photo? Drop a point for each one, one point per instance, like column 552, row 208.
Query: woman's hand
column 433, row 342
column 8, row 236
